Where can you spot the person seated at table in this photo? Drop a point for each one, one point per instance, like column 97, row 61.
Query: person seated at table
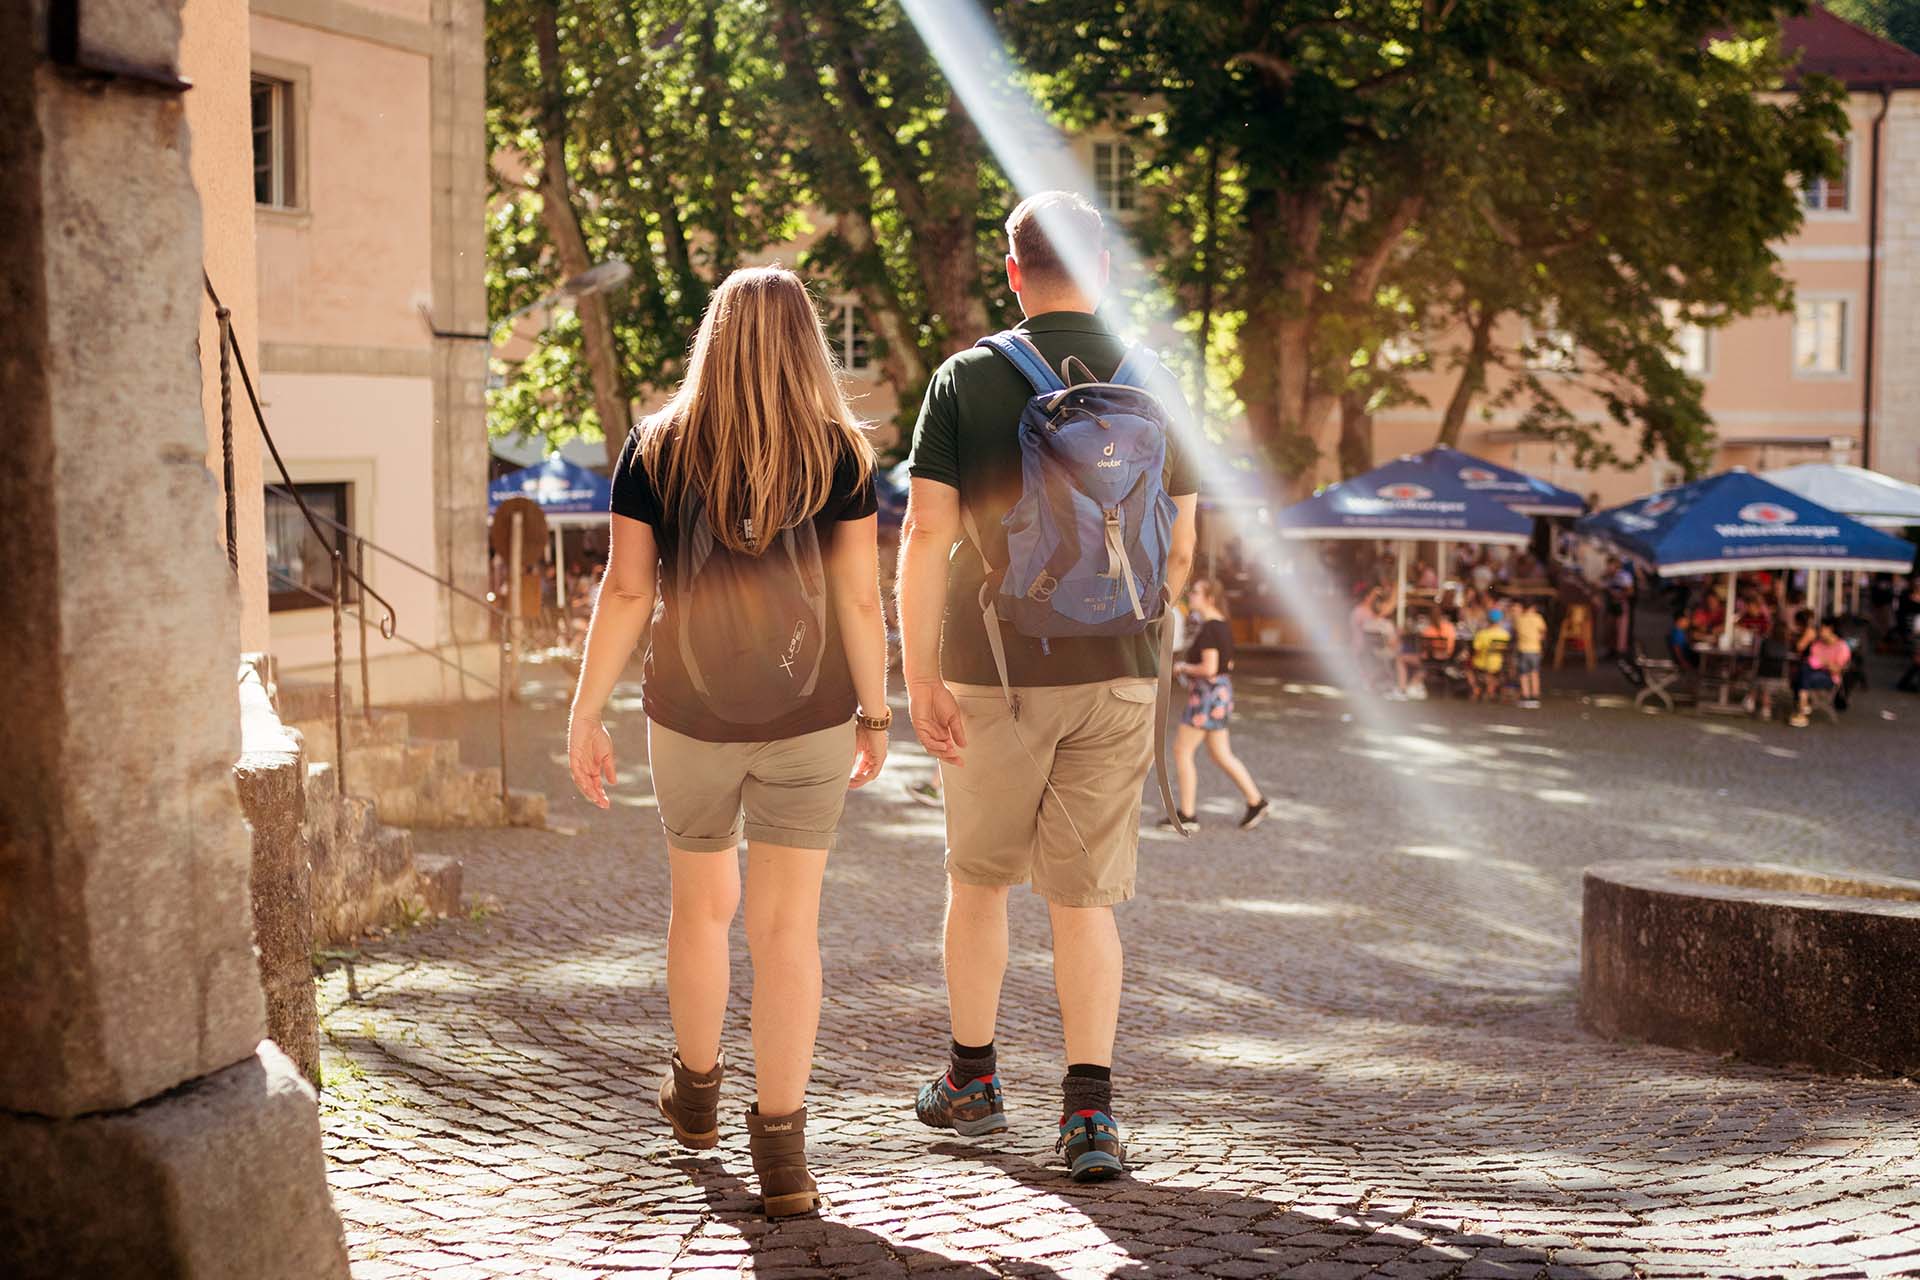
column 1823, row 661
column 1426, row 578
column 1473, row 615
column 1433, row 642
column 1527, row 568
column 1710, row 615
column 1680, row 643
column 1752, row 614
column 1489, row 656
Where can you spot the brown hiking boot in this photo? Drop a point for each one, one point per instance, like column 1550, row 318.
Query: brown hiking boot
column 690, row 1100
column 779, row 1148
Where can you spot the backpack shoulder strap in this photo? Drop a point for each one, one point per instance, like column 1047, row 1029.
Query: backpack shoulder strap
column 1136, row 367
column 1025, row 357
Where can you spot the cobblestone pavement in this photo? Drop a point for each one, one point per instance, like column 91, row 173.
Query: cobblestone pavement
column 1350, row 1045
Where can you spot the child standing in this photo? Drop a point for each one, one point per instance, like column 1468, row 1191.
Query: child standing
column 1529, row 642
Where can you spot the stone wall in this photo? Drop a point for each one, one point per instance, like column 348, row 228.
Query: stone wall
column 271, row 777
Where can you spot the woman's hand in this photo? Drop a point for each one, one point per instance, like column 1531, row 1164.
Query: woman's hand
column 590, row 758
column 870, row 752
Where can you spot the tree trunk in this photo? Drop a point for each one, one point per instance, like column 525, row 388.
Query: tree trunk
column 1356, row 432
column 562, row 223
column 1473, row 377
column 1209, row 278
column 900, row 356
column 1275, row 382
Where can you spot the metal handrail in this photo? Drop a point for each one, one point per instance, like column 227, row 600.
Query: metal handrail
column 415, row 645
column 342, row 573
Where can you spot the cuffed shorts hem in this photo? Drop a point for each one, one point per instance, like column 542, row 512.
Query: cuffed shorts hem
column 790, row 837
column 700, row 844
column 982, row 880
column 1107, row 897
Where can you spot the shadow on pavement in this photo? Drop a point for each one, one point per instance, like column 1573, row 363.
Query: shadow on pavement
column 1172, row 1230
column 813, row 1244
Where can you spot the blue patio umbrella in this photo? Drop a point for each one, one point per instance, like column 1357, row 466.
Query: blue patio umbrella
column 1528, row 495
column 1737, row 522
column 1406, row 500
column 559, row 487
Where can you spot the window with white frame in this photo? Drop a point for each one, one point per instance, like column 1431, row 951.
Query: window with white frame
column 1820, row 336
column 1830, row 195
column 273, row 143
column 851, row 340
column 1113, row 175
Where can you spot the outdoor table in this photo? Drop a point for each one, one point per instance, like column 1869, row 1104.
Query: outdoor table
column 1720, row 671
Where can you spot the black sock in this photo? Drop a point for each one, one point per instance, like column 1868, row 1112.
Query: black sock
column 967, row 1063
column 1087, row 1088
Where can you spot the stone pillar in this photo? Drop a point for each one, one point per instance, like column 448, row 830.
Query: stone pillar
column 460, row 304
column 144, row 1128
column 1896, row 437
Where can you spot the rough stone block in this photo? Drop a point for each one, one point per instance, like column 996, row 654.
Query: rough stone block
column 271, row 778
column 1767, row 962
column 222, row 1178
column 127, row 932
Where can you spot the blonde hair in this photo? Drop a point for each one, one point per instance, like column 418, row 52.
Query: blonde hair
column 758, row 425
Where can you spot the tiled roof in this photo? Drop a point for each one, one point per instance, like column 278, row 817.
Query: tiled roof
column 1854, row 56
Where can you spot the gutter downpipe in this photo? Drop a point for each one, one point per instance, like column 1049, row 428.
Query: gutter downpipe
column 1873, row 282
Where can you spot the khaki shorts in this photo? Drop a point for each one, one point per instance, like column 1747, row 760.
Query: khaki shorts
column 1006, row 825
column 786, row 792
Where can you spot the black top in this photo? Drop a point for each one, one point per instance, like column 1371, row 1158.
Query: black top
column 1215, row 633
column 667, row 691
column 968, row 437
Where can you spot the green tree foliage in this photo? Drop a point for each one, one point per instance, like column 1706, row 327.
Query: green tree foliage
column 1395, row 165
column 623, row 129
column 1897, row 20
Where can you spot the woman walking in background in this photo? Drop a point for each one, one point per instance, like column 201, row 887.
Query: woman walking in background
column 1208, row 662
column 749, row 501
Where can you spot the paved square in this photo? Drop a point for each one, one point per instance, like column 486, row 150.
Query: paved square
column 1349, row 1043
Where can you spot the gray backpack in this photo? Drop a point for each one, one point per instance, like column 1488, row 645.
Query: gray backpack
column 752, row 629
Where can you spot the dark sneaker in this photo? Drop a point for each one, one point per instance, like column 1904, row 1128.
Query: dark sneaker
column 1186, row 820
column 970, row 1110
column 1091, row 1143
column 1255, row 815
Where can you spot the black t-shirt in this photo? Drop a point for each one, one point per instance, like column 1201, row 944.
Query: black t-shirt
column 968, row 437
column 667, row 691
column 1214, row 633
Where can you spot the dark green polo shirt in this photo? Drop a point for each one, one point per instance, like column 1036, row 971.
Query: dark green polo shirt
column 968, row 437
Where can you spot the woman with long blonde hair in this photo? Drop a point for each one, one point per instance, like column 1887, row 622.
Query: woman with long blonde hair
column 747, row 505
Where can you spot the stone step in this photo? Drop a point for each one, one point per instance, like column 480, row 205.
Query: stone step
column 526, row 808
column 440, row 880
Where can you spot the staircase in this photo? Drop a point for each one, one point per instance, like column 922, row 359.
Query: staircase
column 415, row 782
column 365, row 873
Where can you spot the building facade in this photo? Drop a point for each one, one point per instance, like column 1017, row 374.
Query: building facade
column 367, row 130
column 1835, row 380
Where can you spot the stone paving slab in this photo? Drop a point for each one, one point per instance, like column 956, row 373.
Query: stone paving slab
column 1349, row 1044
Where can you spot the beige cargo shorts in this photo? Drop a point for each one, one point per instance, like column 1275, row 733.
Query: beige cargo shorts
column 1029, row 793
column 788, row 792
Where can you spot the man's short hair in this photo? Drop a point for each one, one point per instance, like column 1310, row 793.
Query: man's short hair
column 1051, row 233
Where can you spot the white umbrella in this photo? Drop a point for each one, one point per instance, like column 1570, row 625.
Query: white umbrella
column 1867, row 496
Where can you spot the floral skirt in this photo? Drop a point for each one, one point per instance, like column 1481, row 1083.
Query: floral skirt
column 1209, row 702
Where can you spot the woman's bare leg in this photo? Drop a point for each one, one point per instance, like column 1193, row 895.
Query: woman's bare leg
column 783, row 933
column 1221, row 749
column 1186, row 741
column 706, row 893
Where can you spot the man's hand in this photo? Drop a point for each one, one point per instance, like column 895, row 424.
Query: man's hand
column 937, row 720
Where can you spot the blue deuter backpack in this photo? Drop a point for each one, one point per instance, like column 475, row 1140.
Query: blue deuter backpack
column 1087, row 542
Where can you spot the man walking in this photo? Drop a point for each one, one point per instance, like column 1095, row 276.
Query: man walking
column 1046, row 790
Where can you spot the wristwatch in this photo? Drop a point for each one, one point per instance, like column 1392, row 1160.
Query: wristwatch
column 879, row 724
